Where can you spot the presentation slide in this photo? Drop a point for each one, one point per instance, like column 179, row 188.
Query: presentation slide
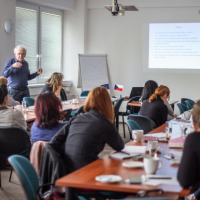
column 174, row 46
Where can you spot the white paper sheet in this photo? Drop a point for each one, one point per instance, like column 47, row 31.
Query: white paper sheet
column 134, row 149
column 153, row 182
column 65, row 102
column 158, row 135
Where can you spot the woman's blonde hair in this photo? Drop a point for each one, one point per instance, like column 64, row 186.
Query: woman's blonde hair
column 99, row 100
column 160, row 91
column 196, row 114
column 3, row 80
column 54, row 80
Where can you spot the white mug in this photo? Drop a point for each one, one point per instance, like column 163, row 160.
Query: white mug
column 153, row 144
column 190, row 130
column 187, row 114
column 137, row 135
column 19, row 107
column 151, row 165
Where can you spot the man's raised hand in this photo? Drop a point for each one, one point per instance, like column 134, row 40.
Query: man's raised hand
column 17, row 65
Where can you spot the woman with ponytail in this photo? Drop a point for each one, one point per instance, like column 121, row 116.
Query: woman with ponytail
column 155, row 108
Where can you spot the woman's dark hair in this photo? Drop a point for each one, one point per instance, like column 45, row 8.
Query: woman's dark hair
column 3, row 93
column 149, row 89
column 48, row 110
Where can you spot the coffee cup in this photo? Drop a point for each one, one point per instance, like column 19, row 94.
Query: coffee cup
column 19, row 107
column 187, row 115
column 151, row 165
column 137, row 135
column 152, row 144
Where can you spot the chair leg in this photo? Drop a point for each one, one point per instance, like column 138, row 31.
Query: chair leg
column 10, row 175
column 123, row 126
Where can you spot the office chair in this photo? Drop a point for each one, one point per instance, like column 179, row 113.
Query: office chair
column 145, row 123
column 184, row 99
column 132, row 125
column 182, row 108
column 189, row 104
column 116, row 111
column 67, row 114
column 29, row 101
column 84, row 93
column 129, row 110
column 14, row 140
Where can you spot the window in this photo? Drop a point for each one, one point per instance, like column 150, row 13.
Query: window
column 39, row 29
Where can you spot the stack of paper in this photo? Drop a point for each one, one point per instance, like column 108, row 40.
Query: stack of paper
column 134, row 149
column 177, row 142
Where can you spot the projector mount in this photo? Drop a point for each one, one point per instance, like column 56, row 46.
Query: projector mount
column 116, row 8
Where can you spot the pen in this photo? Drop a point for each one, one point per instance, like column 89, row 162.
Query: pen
column 166, row 156
column 125, row 153
column 160, row 178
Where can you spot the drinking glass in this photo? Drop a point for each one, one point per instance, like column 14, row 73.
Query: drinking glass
column 167, row 129
column 24, row 107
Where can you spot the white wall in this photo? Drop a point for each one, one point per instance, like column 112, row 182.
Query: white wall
column 120, row 38
column 59, row 4
column 7, row 41
column 75, row 32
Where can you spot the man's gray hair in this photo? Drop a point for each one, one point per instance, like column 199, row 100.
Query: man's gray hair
column 22, row 47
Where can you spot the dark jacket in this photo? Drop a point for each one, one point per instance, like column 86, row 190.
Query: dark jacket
column 52, row 166
column 85, row 136
column 46, row 88
column 156, row 111
column 189, row 168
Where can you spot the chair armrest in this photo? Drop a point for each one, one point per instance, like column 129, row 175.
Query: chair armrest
column 37, row 192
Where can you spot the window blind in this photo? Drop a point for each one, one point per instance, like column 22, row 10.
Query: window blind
column 26, row 34
column 51, row 43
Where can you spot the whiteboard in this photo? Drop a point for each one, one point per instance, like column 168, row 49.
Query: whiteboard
column 93, row 70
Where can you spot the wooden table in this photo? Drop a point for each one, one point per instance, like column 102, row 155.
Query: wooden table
column 85, row 177
column 137, row 104
column 30, row 115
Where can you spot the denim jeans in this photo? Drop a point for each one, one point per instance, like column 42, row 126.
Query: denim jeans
column 18, row 95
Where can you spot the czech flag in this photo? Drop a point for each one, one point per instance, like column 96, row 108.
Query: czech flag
column 106, row 86
column 118, row 87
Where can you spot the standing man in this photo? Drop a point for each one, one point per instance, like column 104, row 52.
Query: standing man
column 17, row 72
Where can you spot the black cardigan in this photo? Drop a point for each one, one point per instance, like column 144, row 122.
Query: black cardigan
column 156, row 111
column 85, row 136
column 189, row 168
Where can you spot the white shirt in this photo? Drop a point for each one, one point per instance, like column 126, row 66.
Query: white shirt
column 12, row 118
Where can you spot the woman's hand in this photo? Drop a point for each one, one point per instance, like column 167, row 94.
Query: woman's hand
column 57, row 93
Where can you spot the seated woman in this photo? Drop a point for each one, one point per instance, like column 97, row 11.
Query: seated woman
column 154, row 108
column 11, row 101
column 9, row 117
column 149, row 88
column 48, row 116
column 86, row 134
column 54, row 84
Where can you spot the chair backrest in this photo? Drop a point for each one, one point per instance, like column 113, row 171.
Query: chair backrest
column 67, row 114
column 63, row 95
column 79, row 110
column 145, row 123
column 84, row 93
column 26, row 175
column 29, row 101
column 189, row 104
column 182, row 108
column 132, row 125
column 136, row 98
column 117, row 105
column 184, row 99
column 14, row 140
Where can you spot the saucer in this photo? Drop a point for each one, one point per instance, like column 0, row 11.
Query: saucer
column 133, row 164
column 108, row 178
